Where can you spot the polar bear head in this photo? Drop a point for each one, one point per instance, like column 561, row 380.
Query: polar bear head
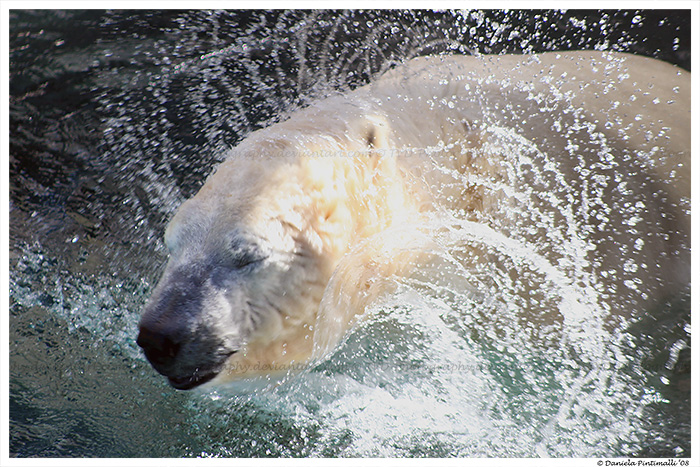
column 252, row 252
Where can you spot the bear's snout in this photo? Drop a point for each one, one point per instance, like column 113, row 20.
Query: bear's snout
column 160, row 348
column 175, row 358
column 180, row 331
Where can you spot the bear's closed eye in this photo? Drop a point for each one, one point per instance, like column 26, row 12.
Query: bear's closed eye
column 242, row 253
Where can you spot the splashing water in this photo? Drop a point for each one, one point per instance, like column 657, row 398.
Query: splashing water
column 497, row 346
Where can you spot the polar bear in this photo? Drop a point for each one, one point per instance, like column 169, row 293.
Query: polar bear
column 602, row 150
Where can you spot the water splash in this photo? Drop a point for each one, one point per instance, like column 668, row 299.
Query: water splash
column 114, row 127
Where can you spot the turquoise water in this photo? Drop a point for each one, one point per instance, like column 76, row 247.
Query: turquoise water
column 112, row 128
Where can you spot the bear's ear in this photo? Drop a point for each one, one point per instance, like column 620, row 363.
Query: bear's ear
column 373, row 132
column 369, row 138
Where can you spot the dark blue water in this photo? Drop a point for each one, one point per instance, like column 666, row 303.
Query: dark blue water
column 116, row 117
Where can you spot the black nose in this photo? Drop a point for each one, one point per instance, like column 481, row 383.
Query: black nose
column 160, row 348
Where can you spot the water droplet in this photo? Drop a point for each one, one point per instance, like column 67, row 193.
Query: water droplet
column 630, row 266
